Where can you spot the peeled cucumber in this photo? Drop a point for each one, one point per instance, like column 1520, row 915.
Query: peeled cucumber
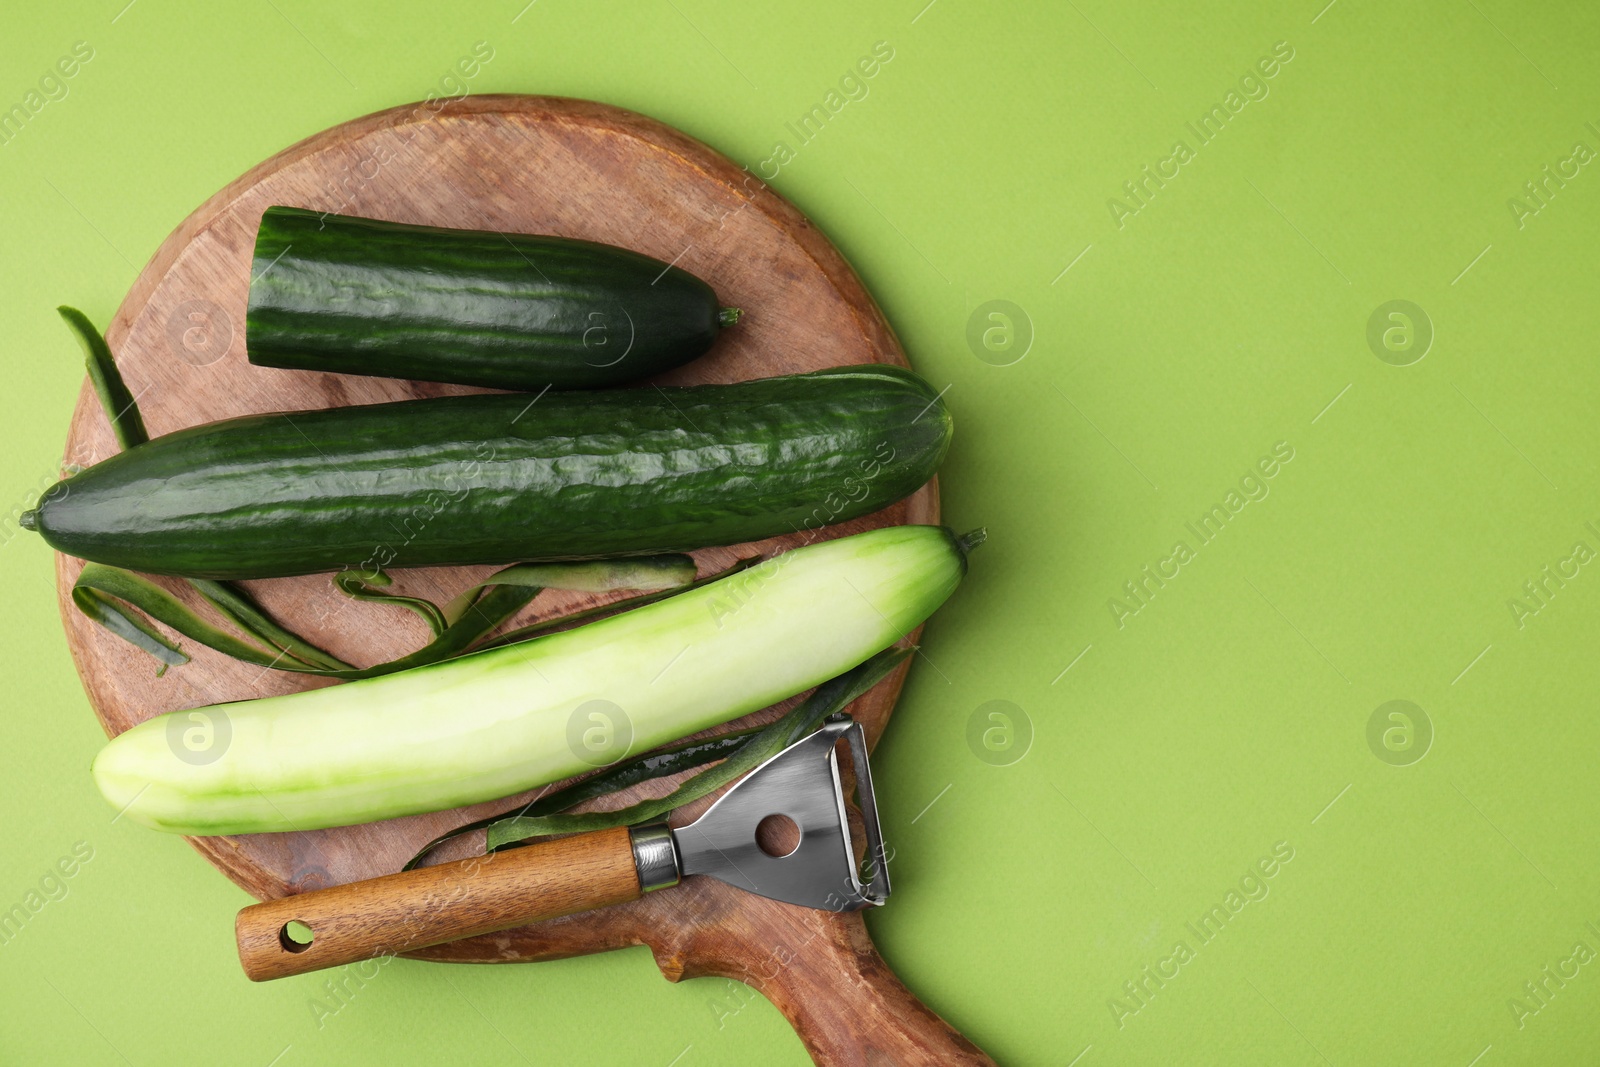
column 513, row 718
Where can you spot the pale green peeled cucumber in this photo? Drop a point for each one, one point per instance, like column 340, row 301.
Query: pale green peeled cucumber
column 510, row 719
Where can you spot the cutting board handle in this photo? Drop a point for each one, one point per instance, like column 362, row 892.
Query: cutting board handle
column 415, row 909
column 826, row 977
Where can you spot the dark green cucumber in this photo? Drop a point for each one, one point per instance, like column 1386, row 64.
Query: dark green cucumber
column 498, row 478
column 475, row 307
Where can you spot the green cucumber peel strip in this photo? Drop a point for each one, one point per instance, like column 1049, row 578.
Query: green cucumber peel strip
column 105, row 593
column 629, row 772
column 565, row 622
column 100, row 590
column 488, row 605
column 235, row 604
column 829, row 698
column 102, row 609
column 360, row 585
column 646, row 573
column 494, row 609
column 120, row 405
column 590, row 576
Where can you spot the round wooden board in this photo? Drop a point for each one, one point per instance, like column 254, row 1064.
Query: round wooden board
column 518, row 164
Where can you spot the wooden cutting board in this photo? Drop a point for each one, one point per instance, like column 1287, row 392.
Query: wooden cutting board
column 521, row 164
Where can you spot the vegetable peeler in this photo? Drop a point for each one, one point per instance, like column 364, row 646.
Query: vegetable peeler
column 431, row 905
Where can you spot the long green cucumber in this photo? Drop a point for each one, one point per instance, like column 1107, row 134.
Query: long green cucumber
column 499, row 722
column 490, row 479
column 478, row 307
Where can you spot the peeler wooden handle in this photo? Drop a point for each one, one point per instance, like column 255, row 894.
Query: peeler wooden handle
column 415, row 909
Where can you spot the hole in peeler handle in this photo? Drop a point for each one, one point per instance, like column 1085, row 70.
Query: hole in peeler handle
column 296, row 936
column 778, row 836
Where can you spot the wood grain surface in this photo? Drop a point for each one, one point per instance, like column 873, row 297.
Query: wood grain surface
column 530, row 165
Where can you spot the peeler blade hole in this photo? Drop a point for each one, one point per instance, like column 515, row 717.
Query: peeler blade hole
column 778, row 836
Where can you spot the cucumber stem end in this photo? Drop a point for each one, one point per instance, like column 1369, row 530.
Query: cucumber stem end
column 971, row 540
column 728, row 316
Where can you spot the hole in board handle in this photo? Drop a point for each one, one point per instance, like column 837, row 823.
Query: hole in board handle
column 296, row 936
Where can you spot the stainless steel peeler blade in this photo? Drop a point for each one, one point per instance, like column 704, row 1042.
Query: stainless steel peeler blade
column 803, row 783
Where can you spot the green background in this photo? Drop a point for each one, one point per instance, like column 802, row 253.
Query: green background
column 1230, row 313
